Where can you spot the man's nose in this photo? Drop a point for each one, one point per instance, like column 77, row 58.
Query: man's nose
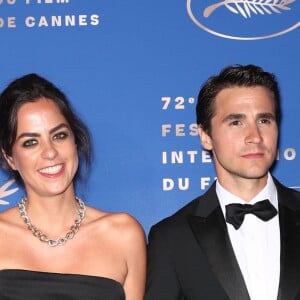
column 253, row 134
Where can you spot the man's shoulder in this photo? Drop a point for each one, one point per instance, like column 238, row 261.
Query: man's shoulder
column 288, row 196
column 179, row 218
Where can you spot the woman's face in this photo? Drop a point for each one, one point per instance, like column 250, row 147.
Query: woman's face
column 44, row 152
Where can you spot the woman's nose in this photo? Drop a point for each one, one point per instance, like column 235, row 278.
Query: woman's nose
column 49, row 151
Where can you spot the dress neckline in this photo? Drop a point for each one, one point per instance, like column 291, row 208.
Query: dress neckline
column 45, row 273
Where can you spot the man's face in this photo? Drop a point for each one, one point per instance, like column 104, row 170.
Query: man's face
column 244, row 133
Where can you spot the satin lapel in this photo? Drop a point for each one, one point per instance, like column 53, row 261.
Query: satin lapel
column 289, row 219
column 209, row 228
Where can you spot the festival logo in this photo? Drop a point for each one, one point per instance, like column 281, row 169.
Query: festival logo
column 4, row 191
column 245, row 19
column 296, row 187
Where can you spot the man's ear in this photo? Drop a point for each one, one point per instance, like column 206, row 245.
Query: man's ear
column 9, row 160
column 205, row 139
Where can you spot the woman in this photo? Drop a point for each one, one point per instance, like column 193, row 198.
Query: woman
column 53, row 246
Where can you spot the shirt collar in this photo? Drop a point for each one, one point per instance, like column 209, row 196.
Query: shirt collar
column 268, row 192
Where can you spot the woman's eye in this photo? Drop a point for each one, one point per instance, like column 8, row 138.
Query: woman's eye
column 29, row 143
column 60, row 136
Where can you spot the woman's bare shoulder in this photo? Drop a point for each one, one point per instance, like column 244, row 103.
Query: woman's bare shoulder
column 11, row 223
column 10, row 216
column 119, row 224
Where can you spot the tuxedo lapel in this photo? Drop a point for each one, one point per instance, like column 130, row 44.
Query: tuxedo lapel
column 289, row 219
column 209, row 228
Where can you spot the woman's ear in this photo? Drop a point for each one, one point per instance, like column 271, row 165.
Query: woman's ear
column 9, row 160
column 205, row 139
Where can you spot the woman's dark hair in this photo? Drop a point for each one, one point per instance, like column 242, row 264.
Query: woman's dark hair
column 233, row 76
column 31, row 88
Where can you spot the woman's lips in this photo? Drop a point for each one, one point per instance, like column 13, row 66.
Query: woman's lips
column 52, row 171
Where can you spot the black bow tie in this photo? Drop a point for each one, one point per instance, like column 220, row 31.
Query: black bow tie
column 235, row 213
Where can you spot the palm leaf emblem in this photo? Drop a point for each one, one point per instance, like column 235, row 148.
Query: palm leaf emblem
column 247, row 7
column 5, row 192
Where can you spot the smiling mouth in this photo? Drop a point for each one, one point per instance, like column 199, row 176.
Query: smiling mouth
column 52, row 171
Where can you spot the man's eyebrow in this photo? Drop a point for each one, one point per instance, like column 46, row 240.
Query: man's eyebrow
column 35, row 134
column 266, row 115
column 236, row 116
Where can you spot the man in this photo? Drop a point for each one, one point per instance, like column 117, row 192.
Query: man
column 205, row 251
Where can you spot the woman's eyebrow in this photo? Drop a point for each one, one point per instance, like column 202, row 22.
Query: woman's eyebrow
column 35, row 134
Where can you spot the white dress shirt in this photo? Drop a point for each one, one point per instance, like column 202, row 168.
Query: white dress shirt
column 256, row 244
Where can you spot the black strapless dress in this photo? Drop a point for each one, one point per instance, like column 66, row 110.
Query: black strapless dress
column 32, row 285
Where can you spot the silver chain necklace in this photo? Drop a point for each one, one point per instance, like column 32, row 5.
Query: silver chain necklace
column 43, row 237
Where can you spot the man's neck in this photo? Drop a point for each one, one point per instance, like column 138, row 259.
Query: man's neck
column 244, row 188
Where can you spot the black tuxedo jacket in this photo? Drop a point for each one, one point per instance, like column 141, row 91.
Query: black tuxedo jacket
column 190, row 255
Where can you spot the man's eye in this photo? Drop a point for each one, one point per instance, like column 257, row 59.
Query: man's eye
column 29, row 143
column 265, row 121
column 235, row 123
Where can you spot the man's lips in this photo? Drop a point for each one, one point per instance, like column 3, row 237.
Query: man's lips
column 52, row 171
column 254, row 155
